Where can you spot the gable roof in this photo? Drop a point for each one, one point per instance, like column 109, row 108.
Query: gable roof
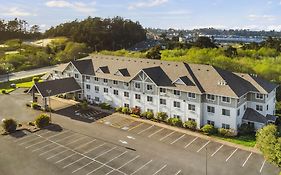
column 254, row 116
column 104, row 69
column 185, row 80
column 57, row 86
column 84, row 66
column 158, row 76
column 124, row 72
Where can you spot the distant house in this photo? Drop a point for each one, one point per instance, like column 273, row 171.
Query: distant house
column 203, row 93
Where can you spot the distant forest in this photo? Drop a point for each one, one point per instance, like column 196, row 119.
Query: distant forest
column 19, row 29
column 101, row 34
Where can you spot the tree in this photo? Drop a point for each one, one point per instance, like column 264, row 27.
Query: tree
column 269, row 142
column 154, row 53
column 42, row 120
column 204, row 42
column 230, row 52
column 9, row 125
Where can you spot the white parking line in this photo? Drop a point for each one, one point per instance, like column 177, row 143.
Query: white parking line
column 141, row 167
column 49, row 150
column 45, row 132
column 65, row 158
column 22, row 143
column 73, row 162
column 24, row 137
column 37, row 149
column 94, row 148
column 178, row 172
column 191, row 142
column 107, row 162
column 56, row 154
column 203, row 146
column 93, row 161
column 167, row 135
column 177, row 139
column 80, row 146
column 135, row 126
column 146, row 129
column 247, row 159
column 35, row 144
column 81, row 138
column 155, row 132
column 262, row 166
column 216, row 150
column 231, row 154
column 160, row 169
column 124, row 164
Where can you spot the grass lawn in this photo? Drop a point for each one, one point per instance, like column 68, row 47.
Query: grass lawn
column 248, row 140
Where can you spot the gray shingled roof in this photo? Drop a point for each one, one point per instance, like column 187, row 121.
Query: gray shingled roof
column 201, row 78
column 254, row 116
column 58, row 86
column 84, row 66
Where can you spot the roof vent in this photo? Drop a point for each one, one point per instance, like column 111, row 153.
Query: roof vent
column 222, row 82
column 254, row 75
column 207, row 70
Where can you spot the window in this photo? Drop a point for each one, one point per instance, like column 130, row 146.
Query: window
column 211, row 122
column 210, row 97
column 238, row 100
column 177, row 104
column 105, row 80
column 126, row 94
column 191, row 107
column 97, row 89
column 226, row 112
column 115, row 82
column 87, row 78
column 267, row 107
column 96, row 79
column 211, row 109
column 162, row 101
column 126, row 84
column 225, row 99
column 105, row 90
column 191, row 119
column 259, row 96
column 225, row 126
column 176, row 92
column 126, row 105
column 177, row 116
column 259, row 107
column 137, row 85
column 238, row 112
column 115, row 92
column 149, row 99
column 162, row 90
column 88, row 97
column 79, row 96
column 97, row 99
column 88, row 86
column 149, row 87
column 191, row 95
column 137, row 96
column 76, row 75
column 251, row 124
column 149, row 110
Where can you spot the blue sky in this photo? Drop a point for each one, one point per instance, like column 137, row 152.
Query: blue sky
column 180, row 14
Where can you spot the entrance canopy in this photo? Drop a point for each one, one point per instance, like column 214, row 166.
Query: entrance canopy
column 56, row 87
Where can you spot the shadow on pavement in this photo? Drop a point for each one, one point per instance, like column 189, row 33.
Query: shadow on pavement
column 54, row 127
column 88, row 116
column 18, row 134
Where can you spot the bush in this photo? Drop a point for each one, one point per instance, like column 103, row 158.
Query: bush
column 35, row 105
column 162, row 116
column 175, row 122
column 3, row 91
column 208, row 129
column 118, row 109
column 226, row 132
column 84, row 105
column 246, row 129
column 190, row 124
column 149, row 115
column 105, row 106
column 125, row 110
column 135, row 116
column 136, row 111
column 42, row 120
column 31, row 123
column 143, row 115
column 9, row 125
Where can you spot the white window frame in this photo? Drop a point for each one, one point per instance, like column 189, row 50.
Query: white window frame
column 162, row 90
column 126, row 92
column 191, row 107
column 149, row 99
column 115, row 90
column 259, row 107
column 149, row 89
column 210, row 95
column 177, row 94
column 210, row 122
column 226, row 98
column 88, row 86
column 76, row 76
column 115, row 82
column 259, row 96
column 191, row 95
column 225, row 126
column 96, row 79
column 87, row 78
column 163, row 100
column 105, row 81
column 137, row 95
column 225, row 110
column 211, row 111
column 105, row 91
column 97, row 88
column 177, row 104
column 135, row 85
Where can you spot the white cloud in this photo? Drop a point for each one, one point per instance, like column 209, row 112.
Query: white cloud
column 253, row 17
column 78, row 6
column 148, row 3
column 15, row 12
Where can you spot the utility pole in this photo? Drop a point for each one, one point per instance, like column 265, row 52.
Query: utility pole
column 50, row 109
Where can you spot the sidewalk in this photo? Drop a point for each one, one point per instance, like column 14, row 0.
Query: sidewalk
column 188, row 132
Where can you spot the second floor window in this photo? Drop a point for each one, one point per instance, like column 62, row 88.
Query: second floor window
column 225, row 112
column 115, row 92
column 137, row 96
column 97, row 88
column 137, row 85
column 105, row 90
column 149, row 99
column 177, row 104
column 259, row 96
column 126, row 94
column 259, row 107
column 162, row 90
column 162, row 101
column 126, row 84
column 210, row 97
column 105, row 80
column 87, row 78
column 88, row 86
column 191, row 107
column 176, row 92
column 149, row 87
column 210, row 109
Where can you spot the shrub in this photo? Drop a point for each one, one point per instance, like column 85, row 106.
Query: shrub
column 208, row 129
column 149, row 115
column 84, row 105
column 125, row 110
column 190, row 124
column 118, row 109
column 143, row 115
column 36, row 106
column 42, row 120
column 162, row 116
column 3, row 91
column 105, row 106
column 135, row 116
column 136, row 111
column 175, row 122
column 246, row 129
column 35, row 79
column 9, row 125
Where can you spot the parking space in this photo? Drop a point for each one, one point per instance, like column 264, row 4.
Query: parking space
column 82, row 155
column 230, row 156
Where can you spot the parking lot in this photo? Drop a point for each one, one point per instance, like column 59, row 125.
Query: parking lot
column 215, row 151
column 83, row 155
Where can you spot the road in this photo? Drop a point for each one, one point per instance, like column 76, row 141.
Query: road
column 28, row 73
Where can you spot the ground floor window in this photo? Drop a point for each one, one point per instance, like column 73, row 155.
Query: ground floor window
column 191, row 119
column 251, row 124
column 97, row 99
column 176, row 116
column 150, row 110
column 126, row 105
column 79, row 96
column 88, row 97
column 225, row 126
column 211, row 122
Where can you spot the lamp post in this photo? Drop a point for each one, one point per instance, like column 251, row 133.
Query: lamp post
column 50, row 109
